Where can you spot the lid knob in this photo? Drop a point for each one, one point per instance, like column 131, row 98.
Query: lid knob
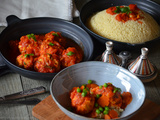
column 144, row 52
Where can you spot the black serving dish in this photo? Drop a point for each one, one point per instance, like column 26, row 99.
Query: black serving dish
column 17, row 28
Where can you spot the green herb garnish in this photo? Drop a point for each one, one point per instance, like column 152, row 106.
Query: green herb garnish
column 125, row 9
column 51, row 44
column 55, row 34
column 122, row 10
column 70, row 53
column 32, row 36
column 117, row 10
column 98, row 96
column 27, row 55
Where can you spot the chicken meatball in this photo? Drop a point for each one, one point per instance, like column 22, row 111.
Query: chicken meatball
column 70, row 56
column 56, row 36
column 25, row 61
column 29, row 44
column 51, row 47
column 81, row 104
column 47, row 63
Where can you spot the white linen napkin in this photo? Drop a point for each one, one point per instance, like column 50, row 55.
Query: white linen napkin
column 64, row 9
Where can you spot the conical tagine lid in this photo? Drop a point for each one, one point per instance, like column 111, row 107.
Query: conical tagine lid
column 109, row 56
column 143, row 68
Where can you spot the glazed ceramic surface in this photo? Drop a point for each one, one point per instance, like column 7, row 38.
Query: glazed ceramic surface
column 100, row 73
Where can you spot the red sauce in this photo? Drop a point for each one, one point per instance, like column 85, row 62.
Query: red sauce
column 125, row 13
column 13, row 50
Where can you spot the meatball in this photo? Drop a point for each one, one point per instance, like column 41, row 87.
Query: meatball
column 55, row 36
column 70, row 56
column 47, row 63
column 81, row 104
column 25, row 61
column 29, row 44
column 51, row 47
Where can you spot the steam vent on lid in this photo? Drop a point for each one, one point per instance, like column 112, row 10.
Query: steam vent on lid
column 143, row 68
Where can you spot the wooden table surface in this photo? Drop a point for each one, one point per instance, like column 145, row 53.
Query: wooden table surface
column 13, row 82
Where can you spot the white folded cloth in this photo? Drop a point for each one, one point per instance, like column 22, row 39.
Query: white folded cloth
column 64, row 9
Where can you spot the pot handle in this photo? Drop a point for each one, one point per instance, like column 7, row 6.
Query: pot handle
column 3, row 68
column 11, row 19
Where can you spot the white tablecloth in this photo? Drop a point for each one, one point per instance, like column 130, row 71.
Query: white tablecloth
column 64, row 9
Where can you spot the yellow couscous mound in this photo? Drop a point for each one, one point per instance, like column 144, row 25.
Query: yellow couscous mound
column 131, row 31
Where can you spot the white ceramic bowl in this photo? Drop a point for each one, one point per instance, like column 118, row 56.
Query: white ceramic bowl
column 100, row 73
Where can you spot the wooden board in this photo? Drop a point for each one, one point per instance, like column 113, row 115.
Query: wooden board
column 48, row 110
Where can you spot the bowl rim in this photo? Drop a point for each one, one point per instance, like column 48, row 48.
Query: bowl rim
column 83, row 117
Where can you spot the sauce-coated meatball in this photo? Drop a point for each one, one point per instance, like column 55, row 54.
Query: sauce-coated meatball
column 70, row 56
column 47, row 63
column 26, row 61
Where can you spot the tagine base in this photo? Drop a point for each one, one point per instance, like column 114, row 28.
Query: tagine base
column 148, row 78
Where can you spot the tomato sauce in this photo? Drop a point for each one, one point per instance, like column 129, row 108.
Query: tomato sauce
column 125, row 13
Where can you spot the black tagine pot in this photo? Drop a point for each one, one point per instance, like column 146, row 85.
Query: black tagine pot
column 94, row 6
column 17, row 28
